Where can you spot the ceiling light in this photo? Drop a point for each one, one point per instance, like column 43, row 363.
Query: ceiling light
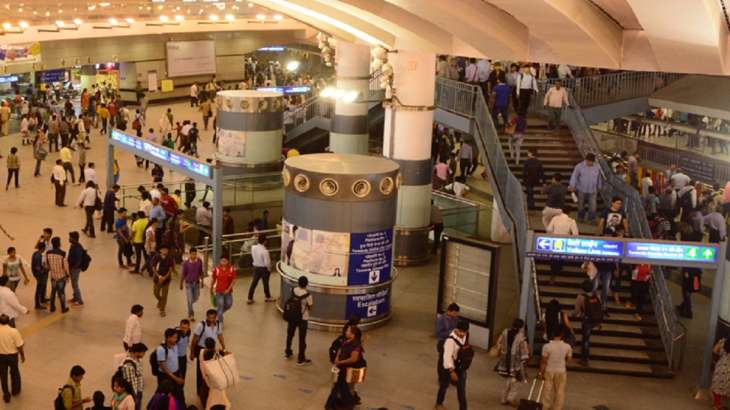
column 92, row 7
column 59, row 23
column 113, row 21
column 164, row 18
column 78, row 21
column 230, row 17
column 23, row 24
column 213, row 17
column 129, row 20
column 160, row 7
column 48, row 13
column 278, row 17
column 104, row 4
column 7, row 26
column 292, row 65
column 60, row 11
column 179, row 18
column 260, row 17
column 250, row 4
column 20, row 10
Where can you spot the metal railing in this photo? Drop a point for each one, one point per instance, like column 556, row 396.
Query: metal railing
column 671, row 330
column 232, row 245
column 459, row 214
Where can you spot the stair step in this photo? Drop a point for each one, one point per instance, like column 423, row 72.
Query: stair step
column 567, row 305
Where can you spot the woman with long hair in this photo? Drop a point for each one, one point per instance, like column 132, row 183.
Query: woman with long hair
column 513, row 354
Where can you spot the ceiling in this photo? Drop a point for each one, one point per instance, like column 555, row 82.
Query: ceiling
column 650, row 35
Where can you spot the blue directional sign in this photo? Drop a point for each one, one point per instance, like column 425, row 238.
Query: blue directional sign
column 671, row 251
column 559, row 246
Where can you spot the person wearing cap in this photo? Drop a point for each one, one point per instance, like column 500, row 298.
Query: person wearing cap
column 449, row 372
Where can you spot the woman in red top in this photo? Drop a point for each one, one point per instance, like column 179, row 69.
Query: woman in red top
column 640, row 277
column 224, row 277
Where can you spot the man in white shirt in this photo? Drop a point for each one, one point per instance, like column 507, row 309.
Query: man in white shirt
column 300, row 292
column 564, row 71
column 87, row 201
column 555, row 99
column 450, row 373
column 9, row 304
column 90, row 172
column 562, row 224
column 204, row 218
column 133, row 328
column 194, row 95
column 58, row 178
column 483, row 69
column 11, row 346
column 471, row 73
column 555, row 354
column 261, row 265
column 526, row 87
column 679, row 179
column 458, row 187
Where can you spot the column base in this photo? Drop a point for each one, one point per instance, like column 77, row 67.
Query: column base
column 411, row 246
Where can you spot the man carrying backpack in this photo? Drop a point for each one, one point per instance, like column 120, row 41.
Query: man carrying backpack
column 589, row 309
column 166, row 365
column 70, row 396
column 296, row 313
column 457, row 358
column 131, row 371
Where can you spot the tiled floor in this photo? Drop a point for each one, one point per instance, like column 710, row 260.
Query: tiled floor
column 401, row 355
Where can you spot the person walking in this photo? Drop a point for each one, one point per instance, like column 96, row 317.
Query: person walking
column 526, row 88
column 348, row 360
column 532, row 176
column 555, row 202
column 11, row 348
column 76, row 254
column 589, row 309
column 221, row 287
column 640, row 277
column 132, row 371
column 451, row 373
column 66, row 156
column 169, row 365
column 162, row 266
column 192, row 278
column 58, row 179
column 555, row 99
column 39, row 151
column 123, row 394
column 502, row 93
column 466, row 157
column 261, row 265
column 13, row 267
column 133, row 327
column 73, row 398
column 206, row 108
column 39, row 268
column 194, row 95
column 513, row 355
column 301, row 295
column 555, row 355
column 210, row 328
column 9, row 303
column 138, row 240
column 108, row 206
column 87, row 201
column 123, row 237
column 586, row 182
column 215, row 398
column 437, row 222
column 59, row 272
column 13, row 162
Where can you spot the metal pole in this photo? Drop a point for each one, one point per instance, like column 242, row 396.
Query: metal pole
column 526, row 280
column 217, row 214
column 109, row 165
column 705, row 376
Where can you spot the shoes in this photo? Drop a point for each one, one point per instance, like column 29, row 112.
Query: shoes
column 270, row 300
column 287, row 355
column 162, row 313
column 6, row 398
column 304, row 362
column 249, row 302
column 64, row 310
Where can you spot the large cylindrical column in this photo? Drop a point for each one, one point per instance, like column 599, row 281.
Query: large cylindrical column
column 337, row 230
column 349, row 130
column 407, row 140
column 249, row 128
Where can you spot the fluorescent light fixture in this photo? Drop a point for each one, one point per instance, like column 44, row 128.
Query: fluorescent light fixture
column 350, row 96
column 213, row 17
column 278, row 17
column 92, row 7
column 292, row 65
column 7, row 26
column 230, row 17
column 129, row 20
column 78, row 21
column 164, row 18
column 104, row 4
column 23, row 24
column 113, row 21
column 298, row 9
column 261, row 16
column 179, row 18
column 250, row 4
column 59, row 23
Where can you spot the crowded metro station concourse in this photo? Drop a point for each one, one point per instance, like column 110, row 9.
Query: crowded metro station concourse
column 364, row 204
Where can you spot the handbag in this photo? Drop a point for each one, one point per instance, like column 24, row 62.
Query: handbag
column 696, row 283
column 41, row 153
column 221, row 371
column 355, row 375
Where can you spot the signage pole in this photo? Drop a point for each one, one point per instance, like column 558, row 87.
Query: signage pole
column 526, row 281
column 109, row 165
column 705, row 376
column 217, row 214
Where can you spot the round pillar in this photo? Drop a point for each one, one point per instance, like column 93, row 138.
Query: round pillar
column 407, row 141
column 349, row 130
column 249, row 128
column 337, row 230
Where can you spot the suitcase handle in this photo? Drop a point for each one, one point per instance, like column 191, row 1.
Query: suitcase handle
column 539, row 392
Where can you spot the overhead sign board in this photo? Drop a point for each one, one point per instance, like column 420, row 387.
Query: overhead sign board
column 163, row 155
column 669, row 251
column 577, row 247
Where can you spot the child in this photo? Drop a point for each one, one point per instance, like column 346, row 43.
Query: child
column 98, row 399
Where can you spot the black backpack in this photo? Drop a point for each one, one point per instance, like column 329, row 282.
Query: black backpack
column 593, row 310
column 293, row 308
column 58, row 403
column 154, row 364
column 85, row 260
column 685, row 201
column 335, row 347
column 464, row 356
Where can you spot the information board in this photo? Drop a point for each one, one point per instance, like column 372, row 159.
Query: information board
column 697, row 167
column 163, row 154
column 368, row 305
column 185, row 58
column 300, row 89
column 670, row 251
column 371, row 255
column 577, row 246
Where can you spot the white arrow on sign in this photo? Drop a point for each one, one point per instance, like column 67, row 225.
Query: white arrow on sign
column 374, row 277
column 544, row 244
column 372, row 310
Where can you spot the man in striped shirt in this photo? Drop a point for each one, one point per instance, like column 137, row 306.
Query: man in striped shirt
column 132, row 371
column 59, row 272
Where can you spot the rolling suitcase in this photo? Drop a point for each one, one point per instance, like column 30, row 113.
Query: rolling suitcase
column 528, row 403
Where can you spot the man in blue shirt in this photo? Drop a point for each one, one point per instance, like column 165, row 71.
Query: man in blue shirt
column 158, row 212
column 108, row 207
column 183, row 340
column 502, row 93
column 169, row 365
column 586, row 182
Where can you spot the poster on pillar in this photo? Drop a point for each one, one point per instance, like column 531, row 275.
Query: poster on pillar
column 316, row 252
column 368, row 305
column 371, row 255
column 231, row 144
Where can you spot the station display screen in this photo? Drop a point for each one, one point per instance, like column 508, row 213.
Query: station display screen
column 670, row 251
column 169, row 157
